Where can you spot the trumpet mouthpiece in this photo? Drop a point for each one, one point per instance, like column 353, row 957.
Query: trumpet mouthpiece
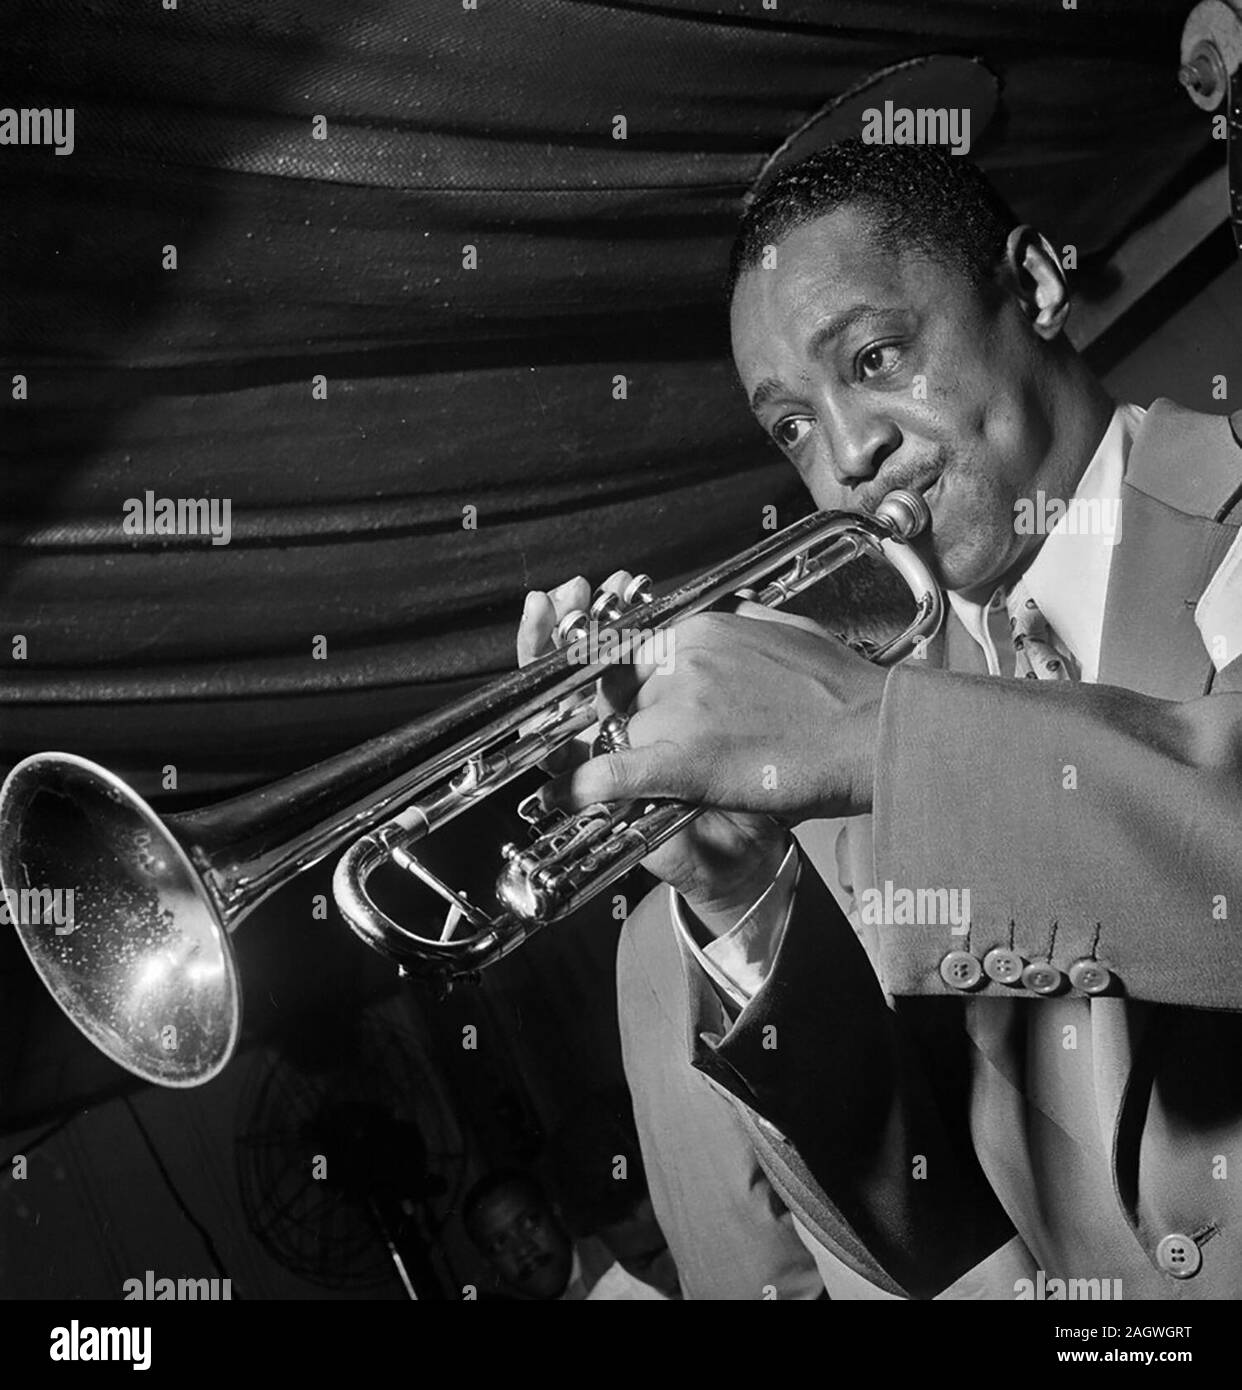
column 906, row 512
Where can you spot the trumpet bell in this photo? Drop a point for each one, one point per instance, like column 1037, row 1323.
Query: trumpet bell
column 140, row 961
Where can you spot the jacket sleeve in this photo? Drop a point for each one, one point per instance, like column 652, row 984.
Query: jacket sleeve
column 1089, row 824
column 730, row 1235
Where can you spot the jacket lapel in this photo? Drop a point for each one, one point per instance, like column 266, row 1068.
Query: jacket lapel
column 706, row 1024
column 1163, row 564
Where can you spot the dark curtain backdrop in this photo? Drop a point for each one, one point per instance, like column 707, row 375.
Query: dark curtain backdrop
column 446, row 387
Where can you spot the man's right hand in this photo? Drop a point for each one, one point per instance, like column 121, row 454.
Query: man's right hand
column 723, row 860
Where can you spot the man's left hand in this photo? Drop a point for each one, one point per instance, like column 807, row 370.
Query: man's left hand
column 753, row 713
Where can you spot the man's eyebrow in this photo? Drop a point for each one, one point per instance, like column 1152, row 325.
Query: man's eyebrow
column 838, row 325
column 771, row 387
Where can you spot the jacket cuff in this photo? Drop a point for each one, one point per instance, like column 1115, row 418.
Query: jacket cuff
column 985, row 882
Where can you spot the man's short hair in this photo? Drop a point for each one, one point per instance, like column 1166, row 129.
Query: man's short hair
column 488, row 1188
column 917, row 195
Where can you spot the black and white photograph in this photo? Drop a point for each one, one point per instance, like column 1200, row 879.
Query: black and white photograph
column 620, row 674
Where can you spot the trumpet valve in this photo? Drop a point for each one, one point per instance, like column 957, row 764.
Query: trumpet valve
column 637, row 591
column 573, row 627
column 607, row 607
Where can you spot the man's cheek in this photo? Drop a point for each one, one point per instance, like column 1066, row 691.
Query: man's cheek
column 969, row 551
column 953, row 526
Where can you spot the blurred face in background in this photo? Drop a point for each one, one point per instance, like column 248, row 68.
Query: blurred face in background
column 520, row 1237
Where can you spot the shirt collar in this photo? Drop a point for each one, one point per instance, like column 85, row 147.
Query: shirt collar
column 738, row 962
column 1068, row 577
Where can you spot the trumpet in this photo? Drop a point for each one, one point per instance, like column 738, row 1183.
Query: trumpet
column 145, row 969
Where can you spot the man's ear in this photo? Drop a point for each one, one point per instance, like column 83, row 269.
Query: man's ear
column 1038, row 280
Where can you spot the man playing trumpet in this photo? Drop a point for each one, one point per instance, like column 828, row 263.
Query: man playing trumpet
column 922, row 1108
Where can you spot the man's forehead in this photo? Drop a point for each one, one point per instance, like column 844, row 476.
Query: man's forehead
column 504, row 1206
column 831, row 265
column 828, row 275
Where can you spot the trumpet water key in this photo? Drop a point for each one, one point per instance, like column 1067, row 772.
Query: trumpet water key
column 148, row 973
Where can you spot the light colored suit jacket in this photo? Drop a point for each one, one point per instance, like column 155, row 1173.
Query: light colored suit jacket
column 915, row 1128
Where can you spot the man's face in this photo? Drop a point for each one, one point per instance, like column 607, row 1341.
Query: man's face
column 523, row 1241
column 874, row 370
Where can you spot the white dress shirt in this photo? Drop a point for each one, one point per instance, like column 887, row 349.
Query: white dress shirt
column 738, row 962
column 1218, row 614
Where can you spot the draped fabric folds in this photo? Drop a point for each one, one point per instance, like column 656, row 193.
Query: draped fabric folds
column 466, row 343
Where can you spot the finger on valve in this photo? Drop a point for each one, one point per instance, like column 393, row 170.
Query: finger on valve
column 540, row 614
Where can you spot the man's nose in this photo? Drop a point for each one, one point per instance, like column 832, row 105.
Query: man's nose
column 858, row 442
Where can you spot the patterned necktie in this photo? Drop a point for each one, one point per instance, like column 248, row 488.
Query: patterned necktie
column 1036, row 657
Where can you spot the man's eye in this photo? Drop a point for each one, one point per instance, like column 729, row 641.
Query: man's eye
column 791, row 431
column 877, row 361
